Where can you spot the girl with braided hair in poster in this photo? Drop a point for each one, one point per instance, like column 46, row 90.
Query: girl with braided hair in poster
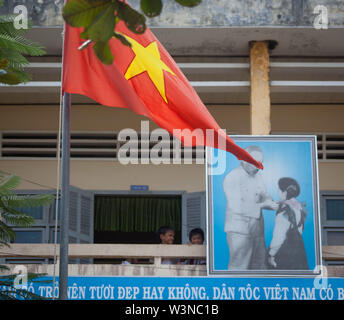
column 287, row 250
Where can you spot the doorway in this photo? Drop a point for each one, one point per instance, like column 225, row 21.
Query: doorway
column 127, row 218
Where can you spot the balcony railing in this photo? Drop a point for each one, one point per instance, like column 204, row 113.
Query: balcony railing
column 154, row 253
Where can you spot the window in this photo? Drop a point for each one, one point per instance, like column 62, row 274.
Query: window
column 135, row 218
column 43, row 228
column 36, row 212
column 335, row 237
column 40, row 214
column 52, row 211
column 335, row 209
column 332, row 216
column 52, row 235
column 30, row 236
column 90, row 145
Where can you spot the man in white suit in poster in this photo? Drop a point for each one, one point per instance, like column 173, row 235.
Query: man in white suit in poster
column 246, row 196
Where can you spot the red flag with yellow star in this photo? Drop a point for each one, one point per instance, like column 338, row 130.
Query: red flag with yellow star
column 145, row 79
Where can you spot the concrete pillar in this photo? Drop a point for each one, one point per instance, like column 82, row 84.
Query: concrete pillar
column 260, row 107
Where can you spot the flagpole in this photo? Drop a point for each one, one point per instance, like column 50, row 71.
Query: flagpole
column 65, row 180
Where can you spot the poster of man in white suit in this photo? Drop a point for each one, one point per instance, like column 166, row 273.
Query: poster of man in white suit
column 246, row 205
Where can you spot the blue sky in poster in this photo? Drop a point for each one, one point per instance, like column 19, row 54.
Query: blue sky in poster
column 281, row 159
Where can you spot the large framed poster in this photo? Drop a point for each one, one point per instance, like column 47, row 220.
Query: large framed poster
column 264, row 222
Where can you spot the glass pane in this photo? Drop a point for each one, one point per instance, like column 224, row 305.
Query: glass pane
column 24, row 261
column 36, row 212
column 52, row 236
column 28, row 237
column 335, row 238
column 53, row 210
column 335, row 209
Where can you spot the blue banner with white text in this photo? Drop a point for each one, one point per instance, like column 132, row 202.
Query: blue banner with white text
column 195, row 288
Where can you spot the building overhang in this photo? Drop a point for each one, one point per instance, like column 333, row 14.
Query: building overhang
column 226, row 41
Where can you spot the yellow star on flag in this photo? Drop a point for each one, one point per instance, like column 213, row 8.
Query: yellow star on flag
column 148, row 59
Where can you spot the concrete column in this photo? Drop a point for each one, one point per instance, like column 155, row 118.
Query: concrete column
column 260, row 107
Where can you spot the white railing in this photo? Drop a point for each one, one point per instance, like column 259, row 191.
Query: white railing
column 106, row 251
column 155, row 253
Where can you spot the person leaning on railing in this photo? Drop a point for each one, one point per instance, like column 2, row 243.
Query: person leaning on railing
column 166, row 236
column 196, row 237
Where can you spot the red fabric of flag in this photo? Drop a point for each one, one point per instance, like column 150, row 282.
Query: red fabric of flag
column 145, row 79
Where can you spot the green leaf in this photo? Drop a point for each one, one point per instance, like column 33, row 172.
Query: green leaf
column 3, row 243
column 81, row 13
column 4, row 268
column 121, row 38
column 102, row 27
column 134, row 21
column 9, row 182
column 15, row 59
column 30, row 201
column 15, row 65
column 7, row 296
column 103, row 52
column 21, row 75
column 10, row 78
column 3, row 63
column 189, row 3
column 21, row 45
column 17, row 218
column 7, row 23
column 13, row 47
column 6, row 233
column 151, row 8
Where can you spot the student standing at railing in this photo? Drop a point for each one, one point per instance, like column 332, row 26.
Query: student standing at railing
column 166, row 235
column 196, row 237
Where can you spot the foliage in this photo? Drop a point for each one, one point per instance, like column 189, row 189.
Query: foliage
column 100, row 17
column 10, row 205
column 13, row 49
column 11, row 216
column 10, row 292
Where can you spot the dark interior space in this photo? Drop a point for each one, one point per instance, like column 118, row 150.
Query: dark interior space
column 134, row 219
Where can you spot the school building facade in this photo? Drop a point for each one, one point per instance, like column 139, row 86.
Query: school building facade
column 245, row 59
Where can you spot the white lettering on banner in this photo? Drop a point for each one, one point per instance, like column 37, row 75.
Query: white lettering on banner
column 249, row 291
column 340, row 293
column 128, row 293
column 187, row 293
column 303, row 293
column 326, row 293
column 276, row 293
column 101, row 292
column 153, row 292
column 226, row 293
